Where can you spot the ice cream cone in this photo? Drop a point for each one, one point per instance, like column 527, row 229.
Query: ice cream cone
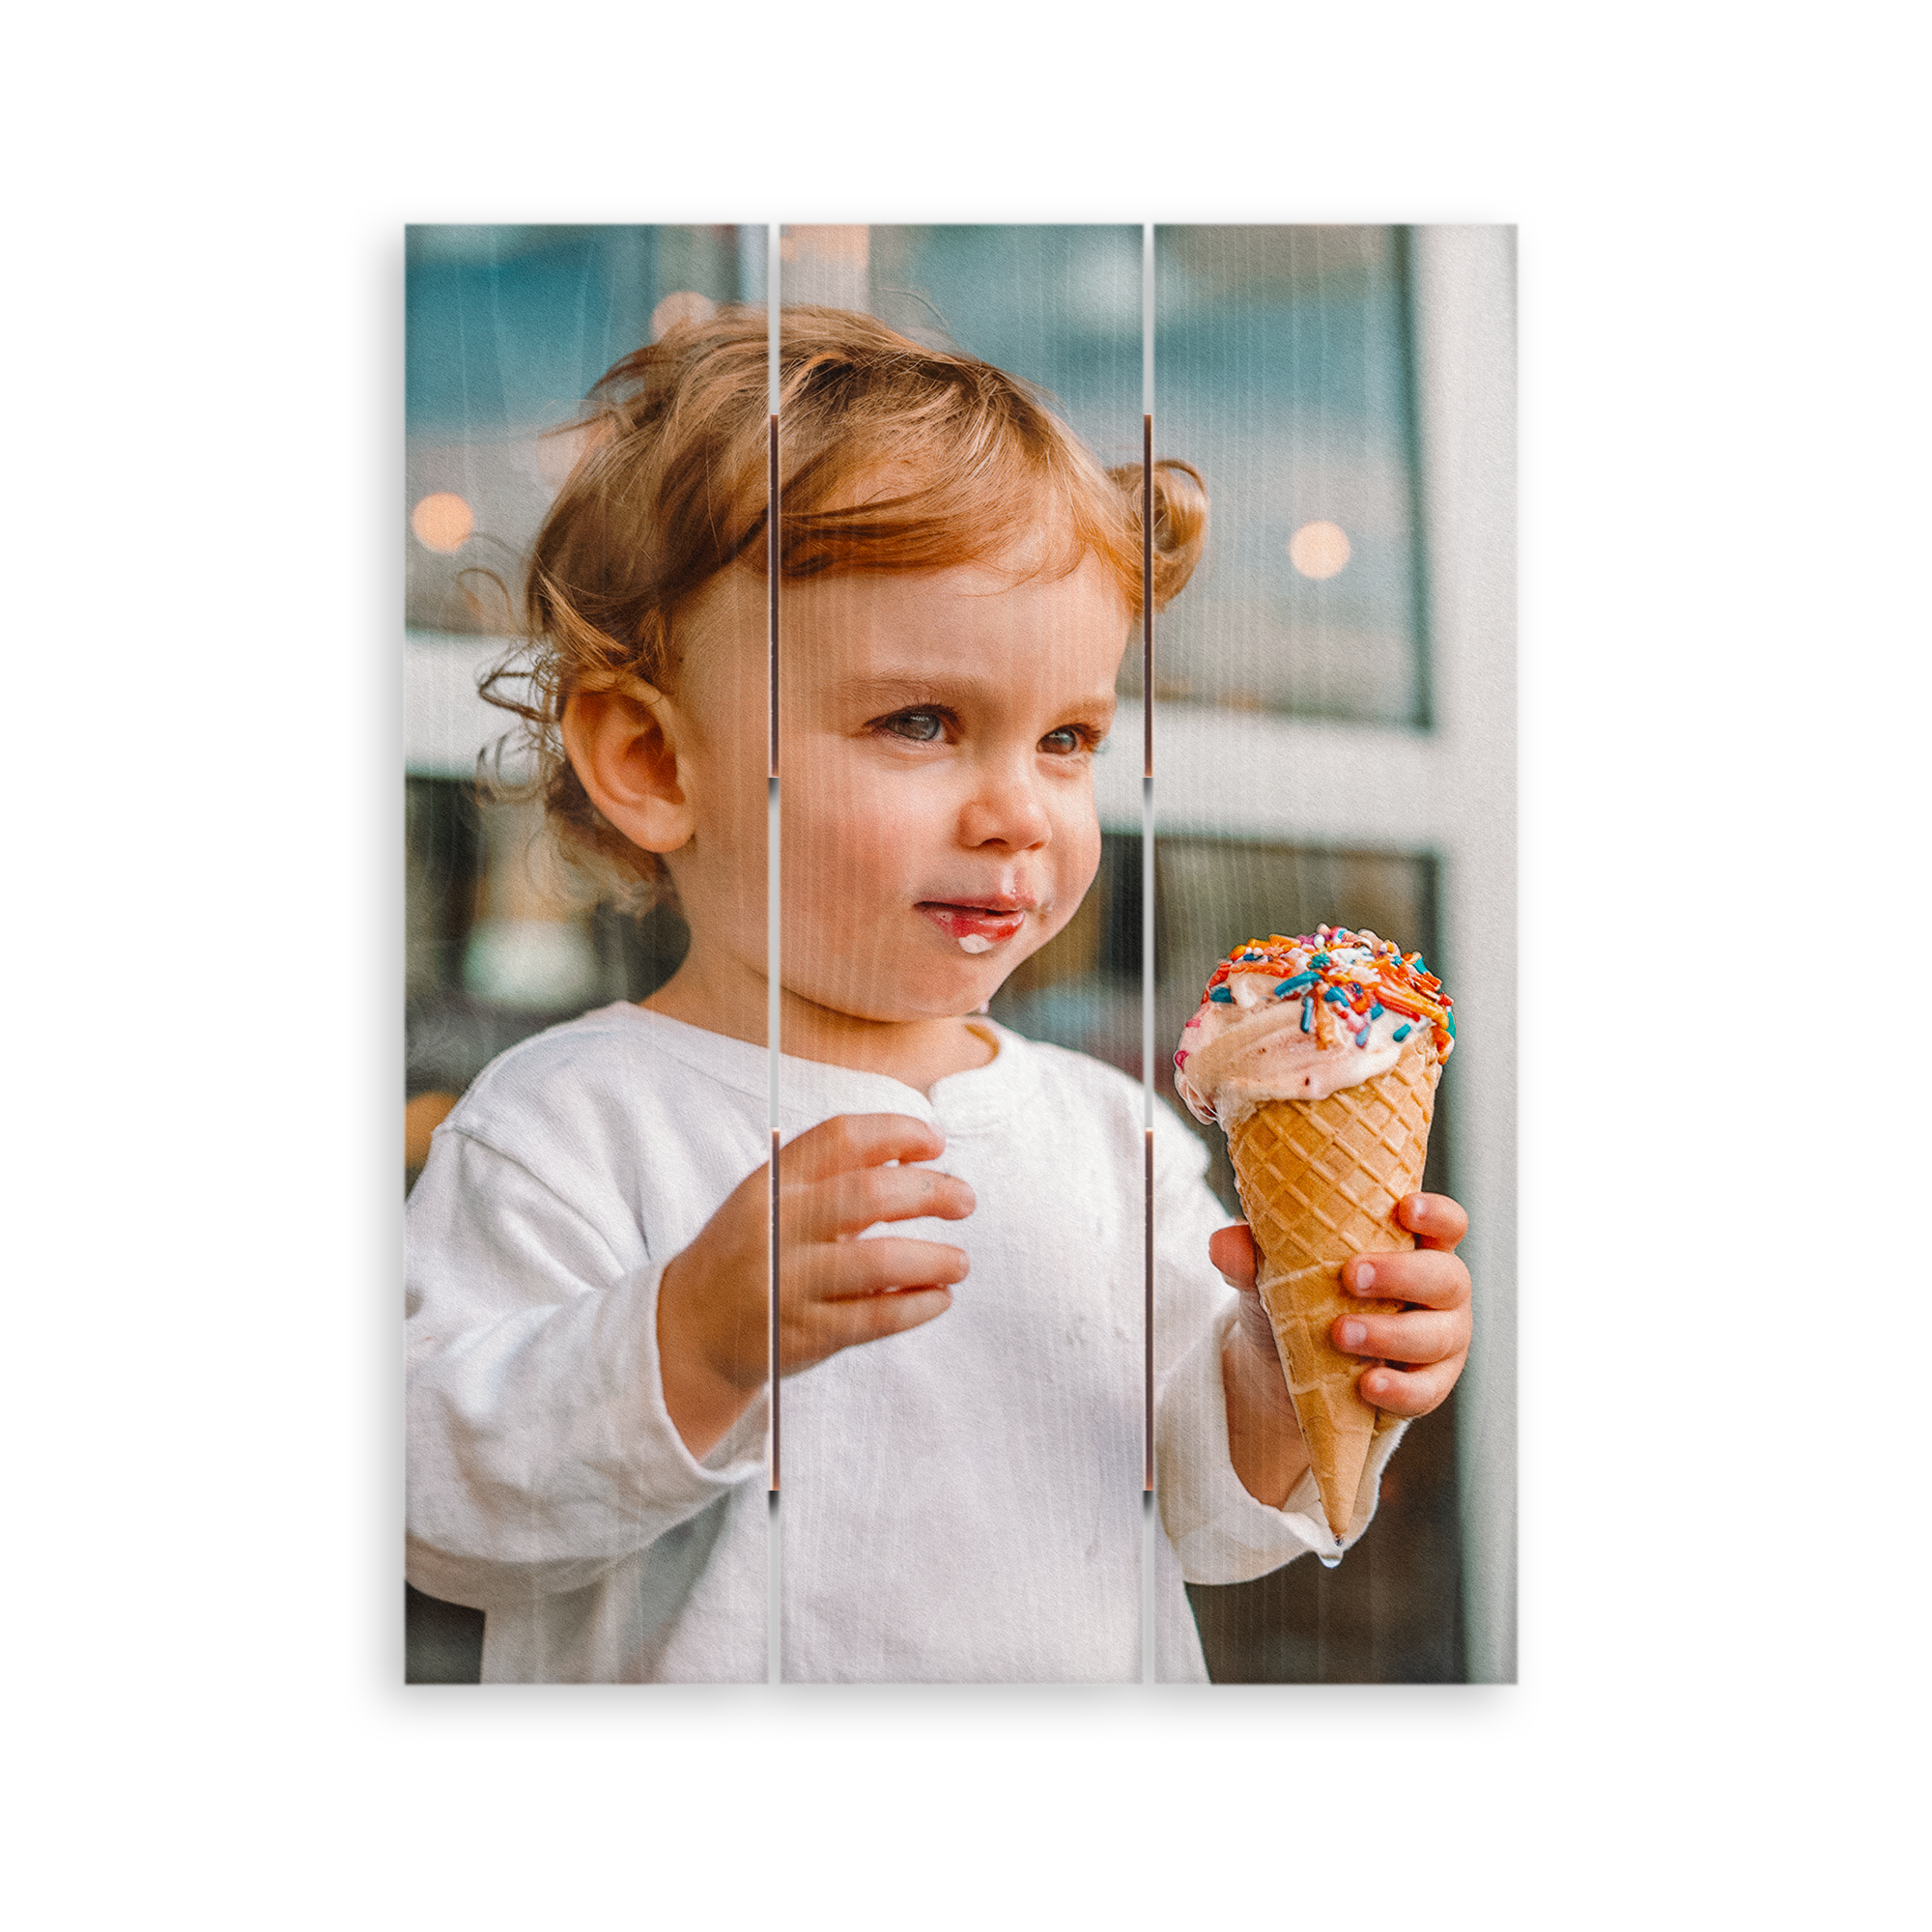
column 1320, row 1180
column 1319, row 1055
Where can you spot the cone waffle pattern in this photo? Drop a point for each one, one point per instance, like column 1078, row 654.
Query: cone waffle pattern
column 1320, row 1180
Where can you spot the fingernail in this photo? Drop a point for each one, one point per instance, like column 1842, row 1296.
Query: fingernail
column 1415, row 1207
column 1354, row 1334
column 1376, row 1384
column 1365, row 1277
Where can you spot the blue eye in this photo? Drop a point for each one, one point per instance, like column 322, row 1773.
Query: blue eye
column 922, row 727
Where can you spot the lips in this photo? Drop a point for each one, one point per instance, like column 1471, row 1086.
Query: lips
column 990, row 920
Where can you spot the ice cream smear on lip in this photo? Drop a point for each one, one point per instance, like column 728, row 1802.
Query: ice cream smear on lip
column 1301, row 1018
column 978, row 928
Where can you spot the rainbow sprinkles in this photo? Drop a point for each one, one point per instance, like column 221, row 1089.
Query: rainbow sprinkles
column 1345, row 983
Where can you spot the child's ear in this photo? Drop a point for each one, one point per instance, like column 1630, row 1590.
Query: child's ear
column 623, row 748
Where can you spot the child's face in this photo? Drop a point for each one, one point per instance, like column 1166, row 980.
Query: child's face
column 937, row 740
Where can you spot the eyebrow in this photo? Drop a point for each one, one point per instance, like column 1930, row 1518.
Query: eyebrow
column 891, row 691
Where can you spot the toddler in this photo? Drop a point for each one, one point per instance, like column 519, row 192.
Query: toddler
column 959, row 1215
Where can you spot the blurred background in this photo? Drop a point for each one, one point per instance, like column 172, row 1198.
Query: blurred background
column 1334, row 722
column 506, row 330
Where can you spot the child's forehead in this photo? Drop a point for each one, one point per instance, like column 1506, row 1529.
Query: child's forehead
column 935, row 609
column 1058, row 628
column 973, row 629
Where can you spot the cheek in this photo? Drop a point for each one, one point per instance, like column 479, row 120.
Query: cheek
column 728, row 794
column 1076, row 860
column 1078, row 835
column 842, row 831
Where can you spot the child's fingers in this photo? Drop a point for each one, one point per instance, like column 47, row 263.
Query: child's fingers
column 1434, row 1219
column 845, row 1325
column 838, row 1271
column 1419, row 1336
column 1232, row 1250
column 849, row 1141
column 1409, row 1275
column 1411, row 1392
column 845, row 1204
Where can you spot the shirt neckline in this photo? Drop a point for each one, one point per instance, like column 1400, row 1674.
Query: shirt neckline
column 968, row 1098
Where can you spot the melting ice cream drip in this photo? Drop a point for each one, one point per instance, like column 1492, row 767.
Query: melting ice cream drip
column 974, row 942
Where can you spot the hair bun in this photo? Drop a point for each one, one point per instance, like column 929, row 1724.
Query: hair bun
column 1180, row 520
column 1180, row 526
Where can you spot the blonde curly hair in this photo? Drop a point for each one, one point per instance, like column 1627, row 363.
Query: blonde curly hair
column 674, row 487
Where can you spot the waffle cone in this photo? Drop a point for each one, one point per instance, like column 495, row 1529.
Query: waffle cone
column 1320, row 1180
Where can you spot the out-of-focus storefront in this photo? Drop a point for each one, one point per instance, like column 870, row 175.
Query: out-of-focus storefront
column 1333, row 719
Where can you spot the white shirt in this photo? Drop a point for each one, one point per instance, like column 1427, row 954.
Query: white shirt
column 962, row 1503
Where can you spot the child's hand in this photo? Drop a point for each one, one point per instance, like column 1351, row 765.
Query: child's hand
column 1432, row 1334
column 835, row 1290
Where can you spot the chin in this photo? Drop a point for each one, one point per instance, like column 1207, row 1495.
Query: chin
column 931, row 997
column 952, row 1002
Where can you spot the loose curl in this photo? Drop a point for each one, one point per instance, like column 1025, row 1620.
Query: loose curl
column 672, row 488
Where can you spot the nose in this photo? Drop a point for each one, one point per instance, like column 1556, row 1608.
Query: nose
column 1005, row 809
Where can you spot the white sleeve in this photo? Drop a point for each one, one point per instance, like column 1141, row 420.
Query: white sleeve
column 540, row 1450
column 1220, row 1532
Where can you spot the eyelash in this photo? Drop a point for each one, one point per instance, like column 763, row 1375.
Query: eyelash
column 1088, row 739
column 942, row 719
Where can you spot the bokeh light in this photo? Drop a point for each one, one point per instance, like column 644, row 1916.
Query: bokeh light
column 1319, row 549
column 560, row 450
column 680, row 306
column 442, row 522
